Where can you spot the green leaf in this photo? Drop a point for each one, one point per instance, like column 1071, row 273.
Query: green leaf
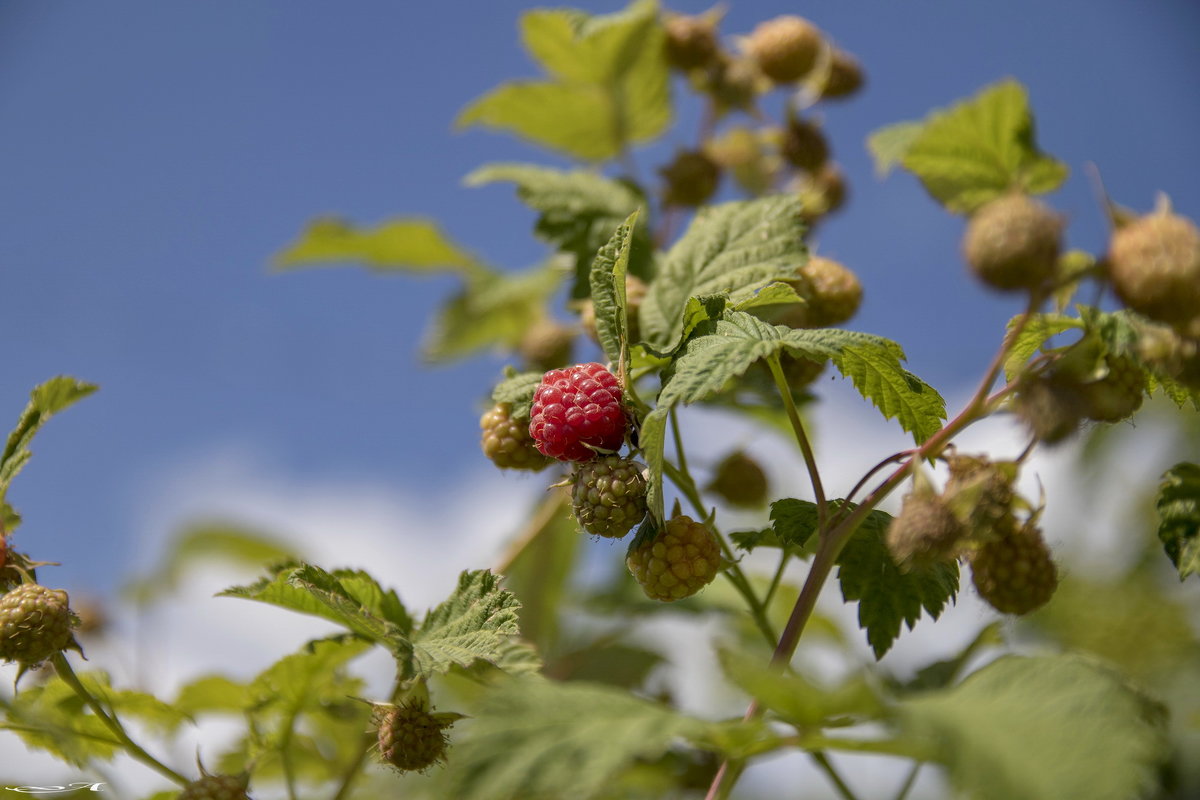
column 617, row 664
column 535, row 738
column 53, row 718
column 578, row 212
column 888, row 596
column 492, row 312
column 794, row 521
column 981, row 148
column 46, row 400
column 205, row 542
column 473, row 624
column 159, row 716
column 307, row 680
column 610, row 85
column 735, row 248
column 213, row 693
column 607, row 280
column 539, row 572
column 1042, row 729
column 1179, row 517
column 720, row 351
column 406, row 244
column 652, row 439
column 350, row 598
column 941, row 674
column 773, row 294
column 517, row 390
column 1039, row 330
column 795, row 699
column 889, row 144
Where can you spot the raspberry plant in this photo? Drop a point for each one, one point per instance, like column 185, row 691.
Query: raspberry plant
column 523, row 682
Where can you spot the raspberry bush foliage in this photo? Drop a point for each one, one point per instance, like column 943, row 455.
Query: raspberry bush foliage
column 696, row 291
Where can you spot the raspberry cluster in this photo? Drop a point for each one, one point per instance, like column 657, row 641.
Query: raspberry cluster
column 577, row 412
column 608, row 495
column 410, row 738
column 680, row 561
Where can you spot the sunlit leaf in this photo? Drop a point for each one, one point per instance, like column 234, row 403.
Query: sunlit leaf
column 399, row 245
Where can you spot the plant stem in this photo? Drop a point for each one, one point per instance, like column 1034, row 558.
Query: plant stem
column 909, row 781
column 810, row 460
column 777, row 578
column 827, row 767
column 63, row 668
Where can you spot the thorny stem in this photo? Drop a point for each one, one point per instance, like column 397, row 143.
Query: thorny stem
column 810, row 460
column 827, row 767
column 63, row 668
column 833, row 540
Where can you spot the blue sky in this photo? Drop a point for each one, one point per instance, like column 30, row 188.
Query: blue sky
column 155, row 155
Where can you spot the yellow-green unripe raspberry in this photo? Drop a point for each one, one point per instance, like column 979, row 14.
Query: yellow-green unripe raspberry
column 1154, row 265
column 831, row 291
column 691, row 42
column 1015, row 573
column 680, row 561
column 1118, row 394
column 690, row 180
column 547, row 345
column 925, row 531
column 217, row 787
column 734, row 83
column 804, row 145
column 785, row 48
column 35, row 623
column 845, row 76
column 1013, row 243
column 506, row 441
column 608, row 495
column 740, row 481
column 409, row 737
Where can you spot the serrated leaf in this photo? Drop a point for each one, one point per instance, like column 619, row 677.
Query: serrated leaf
column 204, row 542
column 578, row 212
column 53, row 718
column 797, row 700
column 888, row 144
column 535, row 738
column 491, row 312
column 406, row 244
column 734, row 248
column 156, row 714
column 874, row 367
column 1039, row 330
column 350, row 598
column 212, row 693
column 307, row 679
column 888, row 596
column 607, row 281
column 981, row 148
column 773, row 294
column 46, row 400
column 518, row 390
column 794, row 521
column 1042, row 729
column 1178, row 506
column 473, row 624
column 610, row 85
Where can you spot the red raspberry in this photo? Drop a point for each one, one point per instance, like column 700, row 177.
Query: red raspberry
column 577, row 411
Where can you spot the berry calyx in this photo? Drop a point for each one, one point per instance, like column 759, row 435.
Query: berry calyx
column 577, row 411
column 1154, row 265
column 1014, row 573
column 506, row 441
column 690, row 179
column 1013, row 243
column 608, row 496
column 680, row 561
column 925, row 531
column 547, row 344
column 35, row 623
column 785, row 48
column 217, row 787
column 740, row 481
column 409, row 736
column 691, row 42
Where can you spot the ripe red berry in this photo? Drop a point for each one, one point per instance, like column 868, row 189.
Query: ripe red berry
column 577, row 411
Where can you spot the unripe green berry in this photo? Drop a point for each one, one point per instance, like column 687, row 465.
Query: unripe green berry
column 690, row 179
column 1051, row 406
column 608, row 495
column 1154, row 265
column 785, row 48
column 217, row 787
column 1013, row 243
column 925, row 531
column 832, row 295
column 691, row 42
column 409, row 737
column 1118, row 394
column 734, row 83
column 547, row 345
column 1015, row 573
column 35, row 623
column 740, row 481
column 981, row 494
column 845, row 76
column 680, row 561
column 804, row 145
column 506, row 441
